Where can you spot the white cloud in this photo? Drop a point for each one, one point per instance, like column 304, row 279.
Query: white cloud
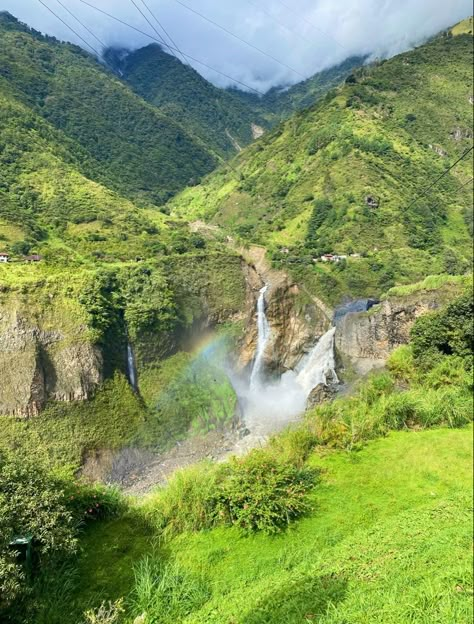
column 307, row 35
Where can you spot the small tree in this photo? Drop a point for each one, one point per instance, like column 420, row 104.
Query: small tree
column 32, row 503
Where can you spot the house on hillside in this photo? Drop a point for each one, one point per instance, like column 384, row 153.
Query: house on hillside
column 332, row 258
column 4, row 257
column 33, row 258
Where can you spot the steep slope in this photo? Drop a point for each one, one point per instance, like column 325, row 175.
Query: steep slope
column 219, row 118
column 347, row 177
column 135, row 148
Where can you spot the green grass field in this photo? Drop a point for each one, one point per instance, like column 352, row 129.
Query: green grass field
column 388, row 541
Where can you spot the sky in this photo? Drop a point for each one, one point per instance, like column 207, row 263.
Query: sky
column 295, row 38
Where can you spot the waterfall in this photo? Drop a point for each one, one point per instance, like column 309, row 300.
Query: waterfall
column 319, row 365
column 131, row 367
column 263, row 328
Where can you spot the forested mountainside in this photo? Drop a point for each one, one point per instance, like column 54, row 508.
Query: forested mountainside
column 223, row 121
column 348, row 176
column 122, row 141
column 226, row 120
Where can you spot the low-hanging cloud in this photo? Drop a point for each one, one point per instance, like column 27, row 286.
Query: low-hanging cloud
column 304, row 35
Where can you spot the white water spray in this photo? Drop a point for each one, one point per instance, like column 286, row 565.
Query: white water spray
column 131, row 368
column 319, row 365
column 263, row 328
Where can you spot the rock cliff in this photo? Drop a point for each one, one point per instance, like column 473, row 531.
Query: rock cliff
column 43, row 357
column 366, row 339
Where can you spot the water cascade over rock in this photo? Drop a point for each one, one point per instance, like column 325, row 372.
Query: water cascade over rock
column 268, row 406
column 263, row 327
column 131, row 367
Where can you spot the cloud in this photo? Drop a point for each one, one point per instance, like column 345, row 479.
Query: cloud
column 305, row 36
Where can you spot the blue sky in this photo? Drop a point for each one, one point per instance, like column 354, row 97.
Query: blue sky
column 304, row 35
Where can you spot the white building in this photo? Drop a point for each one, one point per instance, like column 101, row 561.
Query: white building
column 4, row 257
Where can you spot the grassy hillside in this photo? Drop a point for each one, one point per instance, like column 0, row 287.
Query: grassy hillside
column 359, row 513
column 126, row 143
column 347, row 176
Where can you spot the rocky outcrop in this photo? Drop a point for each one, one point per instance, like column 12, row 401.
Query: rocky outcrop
column 38, row 364
column 296, row 322
column 366, row 339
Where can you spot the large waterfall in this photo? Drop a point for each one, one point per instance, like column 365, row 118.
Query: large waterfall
column 263, row 329
column 268, row 406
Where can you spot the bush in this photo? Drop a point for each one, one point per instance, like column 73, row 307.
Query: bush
column 93, row 502
column 261, row 493
column 32, row 503
column 256, row 493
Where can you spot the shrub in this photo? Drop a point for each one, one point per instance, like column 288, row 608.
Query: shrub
column 401, row 364
column 258, row 492
column 262, row 493
column 32, row 503
column 107, row 613
column 93, row 502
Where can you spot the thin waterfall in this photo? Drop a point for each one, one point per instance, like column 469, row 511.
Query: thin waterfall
column 263, row 329
column 131, row 367
column 319, row 366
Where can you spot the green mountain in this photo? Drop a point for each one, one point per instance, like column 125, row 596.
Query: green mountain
column 347, row 176
column 219, row 118
column 131, row 146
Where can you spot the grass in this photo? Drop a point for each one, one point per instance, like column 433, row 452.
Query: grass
column 387, row 542
column 432, row 282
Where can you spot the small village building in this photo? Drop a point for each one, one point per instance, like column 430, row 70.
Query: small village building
column 4, row 257
column 332, row 258
column 284, row 250
column 33, row 258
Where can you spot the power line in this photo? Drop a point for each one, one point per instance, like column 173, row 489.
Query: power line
column 277, row 21
column 304, row 19
column 251, row 45
column 81, row 23
column 423, row 193
column 148, row 21
column 164, row 30
column 70, row 27
column 457, row 190
column 240, row 82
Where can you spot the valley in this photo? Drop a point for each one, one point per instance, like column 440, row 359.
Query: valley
column 235, row 339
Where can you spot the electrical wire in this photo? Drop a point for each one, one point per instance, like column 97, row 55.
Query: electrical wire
column 81, row 23
column 148, row 22
column 70, row 27
column 440, row 177
column 304, row 19
column 250, row 45
column 240, row 82
column 280, row 23
column 164, row 30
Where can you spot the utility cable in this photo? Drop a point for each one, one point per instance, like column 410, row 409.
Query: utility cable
column 240, row 82
column 70, row 28
column 164, row 30
column 250, row 45
column 280, row 23
column 304, row 19
column 148, row 22
column 440, row 177
column 81, row 23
